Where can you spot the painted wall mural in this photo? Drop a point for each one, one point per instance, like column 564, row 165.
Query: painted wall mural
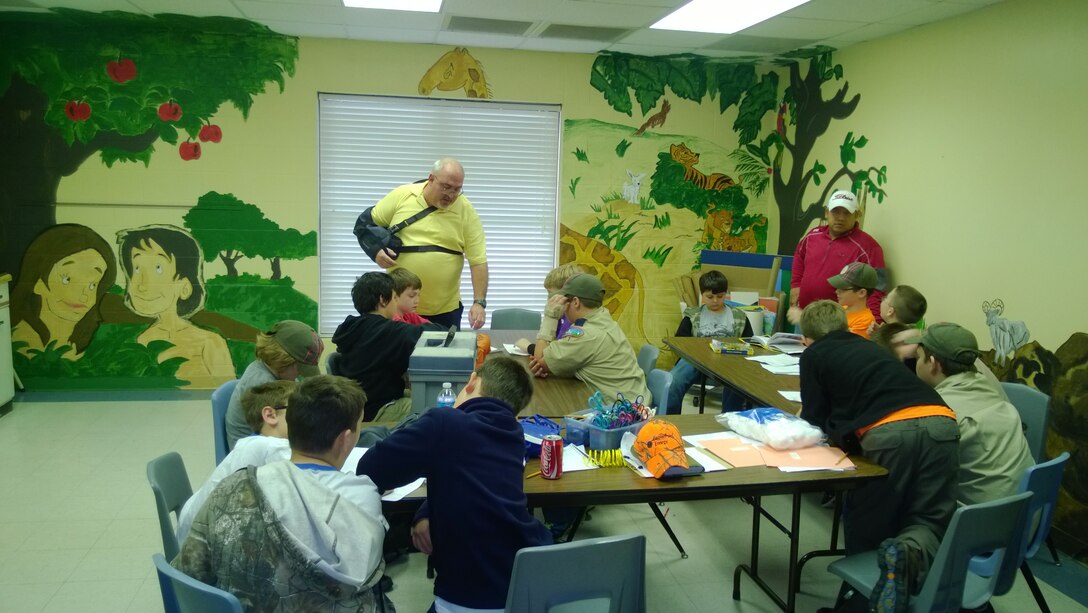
column 74, row 85
column 455, row 70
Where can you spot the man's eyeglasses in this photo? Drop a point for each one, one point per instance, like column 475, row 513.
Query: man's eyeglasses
column 280, row 407
column 452, row 190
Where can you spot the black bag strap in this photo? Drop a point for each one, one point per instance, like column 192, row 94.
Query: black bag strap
column 427, row 249
column 411, row 220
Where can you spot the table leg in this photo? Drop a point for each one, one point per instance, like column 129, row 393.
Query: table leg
column 668, row 528
column 702, row 392
column 833, row 549
column 793, row 583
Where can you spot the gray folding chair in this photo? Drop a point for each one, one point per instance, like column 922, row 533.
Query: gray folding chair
column 1034, row 409
column 601, row 574
column 515, row 319
column 974, row 530
column 183, row 594
column 220, row 402
column 170, row 485
column 647, row 358
column 332, row 363
column 659, row 381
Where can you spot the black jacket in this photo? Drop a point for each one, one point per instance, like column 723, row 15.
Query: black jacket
column 374, row 351
column 472, row 458
column 848, row 382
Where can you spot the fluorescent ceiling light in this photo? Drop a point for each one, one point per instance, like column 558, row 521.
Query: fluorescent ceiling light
column 423, row 6
column 723, row 16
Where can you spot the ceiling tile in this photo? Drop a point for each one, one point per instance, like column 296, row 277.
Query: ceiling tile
column 793, row 27
column 647, row 49
column 200, row 8
column 870, row 32
column 562, row 45
column 605, row 15
column 478, row 40
column 526, row 10
column 672, row 38
column 259, row 10
column 937, row 12
column 392, row 35
column 758, row 44
column 857, row 10
column 315, row 30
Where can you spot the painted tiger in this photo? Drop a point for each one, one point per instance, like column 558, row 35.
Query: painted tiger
column 688, row 159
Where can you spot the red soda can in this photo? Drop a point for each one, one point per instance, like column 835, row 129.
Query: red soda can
column 551, row 457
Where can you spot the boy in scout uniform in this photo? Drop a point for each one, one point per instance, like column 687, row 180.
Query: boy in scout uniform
column 594, row 349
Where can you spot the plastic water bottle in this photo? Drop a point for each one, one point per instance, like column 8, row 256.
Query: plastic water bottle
column 446, row 397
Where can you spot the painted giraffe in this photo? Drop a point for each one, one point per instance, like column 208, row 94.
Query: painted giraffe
column 620, row 278
column 455, row 70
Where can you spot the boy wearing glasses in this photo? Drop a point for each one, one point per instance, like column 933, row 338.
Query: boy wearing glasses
column 853, row 285
column 265, row 409
column 436, row 246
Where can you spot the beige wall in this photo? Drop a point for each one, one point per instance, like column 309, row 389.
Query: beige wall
column 980, row 120
column 977, row 118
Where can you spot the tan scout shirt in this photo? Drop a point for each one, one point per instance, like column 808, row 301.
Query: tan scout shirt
column 596, row 351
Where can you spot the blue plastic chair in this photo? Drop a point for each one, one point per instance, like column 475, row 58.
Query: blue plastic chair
column 220, row 402
column 659, row 381
column 1043, row 481
column 332, row 364
column 647, row 358
column 607, row 573
column 515, row 319
column 994, row 526
column 170, row 485
column 183, row 594
column 1033, row 406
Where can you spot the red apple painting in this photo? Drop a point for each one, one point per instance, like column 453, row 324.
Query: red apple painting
column 121, row 71
column 169, row 111
column 189, row 151
column 210, row 133
column 77, row 110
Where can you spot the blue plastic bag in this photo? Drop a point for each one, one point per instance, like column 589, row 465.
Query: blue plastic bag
column 536, row 427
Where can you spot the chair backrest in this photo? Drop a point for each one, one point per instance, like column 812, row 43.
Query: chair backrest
column 1043, row 482
column 220, row 402
column 183, row 594
column 515, row 319
column 332, row 363
column 1033, row 407
column 647, row 358
column 611, row 568
column 170, row 485
column 659, row 383
column 975, row 529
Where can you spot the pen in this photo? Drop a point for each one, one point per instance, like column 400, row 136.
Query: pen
column 839, row 461
column 531, row 475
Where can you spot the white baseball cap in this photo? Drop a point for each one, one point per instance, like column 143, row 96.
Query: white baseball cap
column 841, row 198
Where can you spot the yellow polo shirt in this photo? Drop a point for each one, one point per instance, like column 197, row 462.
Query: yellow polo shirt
column 456, row 227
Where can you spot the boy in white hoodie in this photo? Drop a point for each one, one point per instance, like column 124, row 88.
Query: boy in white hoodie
column 279, row 536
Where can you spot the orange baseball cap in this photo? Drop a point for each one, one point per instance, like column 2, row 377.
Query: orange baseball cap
column 662, row 451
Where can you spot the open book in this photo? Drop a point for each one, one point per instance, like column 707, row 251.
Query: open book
column 779, row 341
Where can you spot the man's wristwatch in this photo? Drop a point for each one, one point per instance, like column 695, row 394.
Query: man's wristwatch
column 481, row 301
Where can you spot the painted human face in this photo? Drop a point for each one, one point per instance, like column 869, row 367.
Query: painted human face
column 840, row 221
column 714, row 301
column 72, row 286
column 407, row 301
column 154, row 287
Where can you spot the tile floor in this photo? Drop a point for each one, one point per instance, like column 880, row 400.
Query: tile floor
column 78, row 523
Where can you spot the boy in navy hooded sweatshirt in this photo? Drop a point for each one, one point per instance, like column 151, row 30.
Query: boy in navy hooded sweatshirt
column 472, row 456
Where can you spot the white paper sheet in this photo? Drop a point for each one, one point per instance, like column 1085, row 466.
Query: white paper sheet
column 776, row 359
column 575, row 459
column 697, row 439
column 513, row 350
column 783, row 370
column 791, row 396
column 402, row 491
column 745, row 298
column 352, row 462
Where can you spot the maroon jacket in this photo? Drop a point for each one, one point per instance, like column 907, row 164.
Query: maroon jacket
column 819, row 257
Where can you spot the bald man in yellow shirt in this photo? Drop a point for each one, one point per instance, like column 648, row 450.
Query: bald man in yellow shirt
column 436, row 246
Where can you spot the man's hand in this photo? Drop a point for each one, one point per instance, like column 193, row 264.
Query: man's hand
column 538, row 367
column 556, row 305
column 523, row 344
column 794, row 315
column 421, row 536
column 476, row 316
column 795, row 296
column 386, row 258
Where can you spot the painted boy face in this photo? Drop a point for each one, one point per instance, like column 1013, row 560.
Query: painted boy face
column 408, row 300
column 72, row 286
column 154, row 287
column 714, row 301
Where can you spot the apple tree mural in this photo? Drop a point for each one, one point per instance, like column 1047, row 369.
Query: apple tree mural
column 74, row 84
column 779, row 158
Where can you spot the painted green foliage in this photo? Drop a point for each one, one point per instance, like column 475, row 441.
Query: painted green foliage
column 112, row 84
column 229, row 228
column 803, row 116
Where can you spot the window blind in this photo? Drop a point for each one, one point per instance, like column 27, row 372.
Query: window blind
column 370, row 144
